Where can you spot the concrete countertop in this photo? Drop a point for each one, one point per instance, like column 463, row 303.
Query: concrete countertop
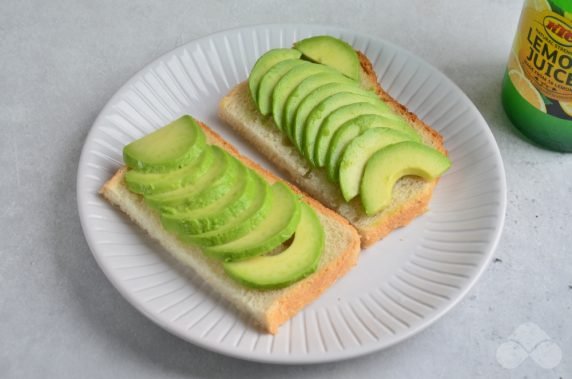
column 60, row 61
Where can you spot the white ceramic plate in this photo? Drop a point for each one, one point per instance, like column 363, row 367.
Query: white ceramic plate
column 401, row 284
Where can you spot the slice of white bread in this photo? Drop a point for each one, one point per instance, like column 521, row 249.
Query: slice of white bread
column 411, row 195
column 268, row 309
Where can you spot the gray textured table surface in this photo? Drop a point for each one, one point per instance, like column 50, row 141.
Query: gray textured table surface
column 60, row 61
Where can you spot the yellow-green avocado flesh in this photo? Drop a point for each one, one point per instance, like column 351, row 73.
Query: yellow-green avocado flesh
column 279, row 225
column 318, row 102
column 390, row 163
column 332, row 52
column 298, row 261
column 208, row 198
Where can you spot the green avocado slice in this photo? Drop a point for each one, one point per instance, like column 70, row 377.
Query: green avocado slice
column 353, row 128
column 308, row 85
column 288, row 82
column 279, row 225
column 183, row 197
column 232, row 178
column 359, row 152
column 269, row 81
column 227, row 186
column 220, row 212
column 151, row 183
column 298, row 261
column 168, row 148
column 239, row 225
column 343, row 114
column 326, row 108
column 264, row 63
column 332, row 52
column 313, row 99
column 389, row 164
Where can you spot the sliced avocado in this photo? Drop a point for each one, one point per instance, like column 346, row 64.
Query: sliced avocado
column 269, row 80
column 302, row 90
column 341, row 115
column 232, row 178
column 332, row 52
column 264, row 63
column 358, row 153
column 279, row 225
column 239, row 225
column 389, row 164
column 218, row 213
column 168, row 148
column 298, row 261
column 177, row 199
column 150, row 183
column 313, row 99
column 288, row 82
column 353, row 128
column 323, row 110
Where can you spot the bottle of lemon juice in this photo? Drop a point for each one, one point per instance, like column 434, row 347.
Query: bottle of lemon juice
column 537, row 86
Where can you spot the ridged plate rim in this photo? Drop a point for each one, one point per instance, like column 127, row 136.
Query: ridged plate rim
column 83, row 199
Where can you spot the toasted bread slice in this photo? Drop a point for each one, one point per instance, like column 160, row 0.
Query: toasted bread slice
column 267, row 308
column 411, row 195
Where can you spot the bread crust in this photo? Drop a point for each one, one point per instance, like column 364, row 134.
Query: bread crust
column 311, row 288
column 371, row 229
column 367, row 69
column 288, row 301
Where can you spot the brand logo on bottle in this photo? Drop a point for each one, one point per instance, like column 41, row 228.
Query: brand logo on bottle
column 558, row 31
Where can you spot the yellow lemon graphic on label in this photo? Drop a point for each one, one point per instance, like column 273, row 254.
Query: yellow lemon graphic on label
column 566, row 107
column 527, row 90
column 539, row 5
